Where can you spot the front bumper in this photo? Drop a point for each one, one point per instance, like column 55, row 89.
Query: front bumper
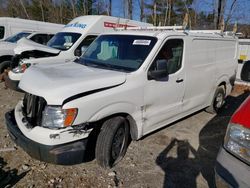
column 64, row 154
column 231, row 170
column 12, row 84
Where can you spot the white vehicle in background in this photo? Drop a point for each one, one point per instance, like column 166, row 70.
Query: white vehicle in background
column 244, row 55
column 66, row 45
column 126, row 85
column 8, row 45
column 11, row 26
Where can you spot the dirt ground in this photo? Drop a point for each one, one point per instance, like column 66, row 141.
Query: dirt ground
column 180, row 155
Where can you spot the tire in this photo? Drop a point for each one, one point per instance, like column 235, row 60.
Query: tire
column 218, row 101
column 112, row 142
column 4, row 65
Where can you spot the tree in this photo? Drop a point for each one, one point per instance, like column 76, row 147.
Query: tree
column 142, row 6
column 230, row 13
column 130, row 9
column 219, row 12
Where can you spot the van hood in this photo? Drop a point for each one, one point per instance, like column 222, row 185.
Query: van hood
column 6, row 48
column 25, row 44
column 56, row 83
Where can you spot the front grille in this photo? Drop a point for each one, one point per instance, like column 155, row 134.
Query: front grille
column 33, row 107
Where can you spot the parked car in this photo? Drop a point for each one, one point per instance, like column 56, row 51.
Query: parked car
column 66, row 45
column 8, row 45
column 127, row 84
column 232, row 165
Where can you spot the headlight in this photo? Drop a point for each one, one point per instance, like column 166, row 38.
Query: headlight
column 21, row 68
column 237, row 141
column 56, row 117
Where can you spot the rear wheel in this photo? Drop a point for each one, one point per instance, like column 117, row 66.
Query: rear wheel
column 218, row 100
column 4, row 65
column 112, row 142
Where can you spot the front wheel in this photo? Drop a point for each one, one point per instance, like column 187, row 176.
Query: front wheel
column 4, row 65
column 218, row 100
column 112, row 142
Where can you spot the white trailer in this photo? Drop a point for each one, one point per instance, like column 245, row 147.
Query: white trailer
column 127, row 84
column 243, row 55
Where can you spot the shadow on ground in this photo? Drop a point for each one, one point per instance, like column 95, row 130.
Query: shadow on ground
column 182, row 170
column 9, row 177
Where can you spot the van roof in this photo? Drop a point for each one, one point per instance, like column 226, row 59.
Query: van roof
column 25, row 20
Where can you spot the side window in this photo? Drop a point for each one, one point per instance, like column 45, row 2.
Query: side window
column 84, row 44
column 40, row 38
column 1, row 32
column 171, row 53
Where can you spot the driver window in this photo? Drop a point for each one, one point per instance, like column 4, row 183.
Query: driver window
column 171, row 53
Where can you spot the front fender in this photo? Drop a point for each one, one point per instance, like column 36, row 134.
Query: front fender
column 114, row 108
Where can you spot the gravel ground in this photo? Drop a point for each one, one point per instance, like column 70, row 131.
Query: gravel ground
column 180, row 155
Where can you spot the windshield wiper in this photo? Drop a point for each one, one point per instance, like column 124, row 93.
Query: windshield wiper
column 94, row 64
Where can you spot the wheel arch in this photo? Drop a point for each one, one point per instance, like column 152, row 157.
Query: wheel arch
column 133, row 128
column 125, row 110
column 5, row 58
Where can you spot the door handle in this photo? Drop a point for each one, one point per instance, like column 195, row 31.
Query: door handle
column 179, row 80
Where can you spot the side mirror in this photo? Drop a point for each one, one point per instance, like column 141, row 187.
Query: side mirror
column 161, row 70
column 245, row 72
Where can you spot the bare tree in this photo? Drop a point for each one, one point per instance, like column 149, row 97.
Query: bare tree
column 24, row 8
column 110, row 8
column 130, row 9
column 41, row 6
column 72, row 2
column 142, row 6
column 154, row 13
column 230, row 13
column 218, row 12
column 170, row 8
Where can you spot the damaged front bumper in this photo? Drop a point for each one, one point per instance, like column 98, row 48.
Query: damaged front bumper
column 64, row 154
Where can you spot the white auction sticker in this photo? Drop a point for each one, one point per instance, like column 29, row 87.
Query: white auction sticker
column 141, row 42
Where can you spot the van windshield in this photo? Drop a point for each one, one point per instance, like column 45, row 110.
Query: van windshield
column 118, row 52
column 1, row 32
column 63, row 40
column 17, row 37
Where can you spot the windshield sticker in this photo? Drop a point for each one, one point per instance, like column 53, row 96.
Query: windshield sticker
column 77, row 25
column 142, row 42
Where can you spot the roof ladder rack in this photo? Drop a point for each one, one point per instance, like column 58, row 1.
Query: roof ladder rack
column 153, row 28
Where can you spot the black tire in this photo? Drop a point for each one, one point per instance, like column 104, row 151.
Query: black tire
column 4, row 65
column 218, row 100
column 112, row 142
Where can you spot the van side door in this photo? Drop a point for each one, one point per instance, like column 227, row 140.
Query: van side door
column 201, row 61
column 163, row 97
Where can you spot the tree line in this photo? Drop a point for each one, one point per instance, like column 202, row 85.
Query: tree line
column 158, row 12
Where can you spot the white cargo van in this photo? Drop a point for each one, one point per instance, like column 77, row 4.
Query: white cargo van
column 126, row 85
column 66, row 45
column 12, row 26
column 8, row 45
